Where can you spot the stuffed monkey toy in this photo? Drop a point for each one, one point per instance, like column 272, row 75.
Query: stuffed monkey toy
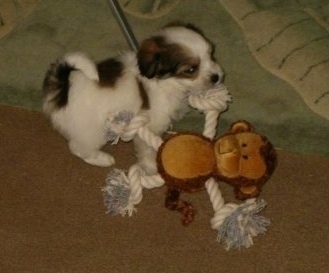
column 240, row 157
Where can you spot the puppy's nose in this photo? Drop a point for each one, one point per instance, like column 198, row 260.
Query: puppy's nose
column 215, row 78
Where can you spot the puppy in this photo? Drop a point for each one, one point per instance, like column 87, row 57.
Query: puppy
column 79, row 95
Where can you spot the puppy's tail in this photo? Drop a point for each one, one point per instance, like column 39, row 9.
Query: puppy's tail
column 56, row 84
column 81, row 62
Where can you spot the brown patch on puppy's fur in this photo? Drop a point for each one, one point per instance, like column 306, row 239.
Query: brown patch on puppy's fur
column 160, row 59
column 109, row 71
column 143, row 94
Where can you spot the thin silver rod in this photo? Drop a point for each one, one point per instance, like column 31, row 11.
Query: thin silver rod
column 123, row 23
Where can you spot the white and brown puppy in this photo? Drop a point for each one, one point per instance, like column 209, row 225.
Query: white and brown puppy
column 79, row 94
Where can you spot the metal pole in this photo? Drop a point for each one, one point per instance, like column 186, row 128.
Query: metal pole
column 123, row 23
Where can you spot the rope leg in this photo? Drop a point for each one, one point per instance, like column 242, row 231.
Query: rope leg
column 210, row 128
column 138, row 180
column 221, row 210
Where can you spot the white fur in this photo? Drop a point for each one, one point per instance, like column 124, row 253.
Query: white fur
column 82, row 120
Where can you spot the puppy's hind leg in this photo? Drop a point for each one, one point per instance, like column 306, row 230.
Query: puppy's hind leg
column 91, row 156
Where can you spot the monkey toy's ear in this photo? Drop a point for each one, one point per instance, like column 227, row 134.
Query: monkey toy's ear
column 240, row 127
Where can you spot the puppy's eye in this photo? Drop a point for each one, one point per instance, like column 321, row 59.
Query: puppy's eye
column 191, row 69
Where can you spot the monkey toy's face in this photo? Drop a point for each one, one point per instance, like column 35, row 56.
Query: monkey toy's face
column 244, row 159
column 240, row 155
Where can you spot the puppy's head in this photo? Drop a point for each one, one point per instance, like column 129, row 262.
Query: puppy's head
column 182, row 53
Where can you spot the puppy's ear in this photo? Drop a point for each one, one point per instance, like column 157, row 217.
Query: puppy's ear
column 149, row 56
column 157, row 58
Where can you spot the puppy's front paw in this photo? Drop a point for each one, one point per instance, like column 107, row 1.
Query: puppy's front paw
column 101, row 159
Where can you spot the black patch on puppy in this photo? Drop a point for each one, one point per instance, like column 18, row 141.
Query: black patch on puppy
column 109, row 71
column 159, row 59
column 57, row 81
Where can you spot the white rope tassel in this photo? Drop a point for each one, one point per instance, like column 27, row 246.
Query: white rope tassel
column 236, row 224
column 221, row 209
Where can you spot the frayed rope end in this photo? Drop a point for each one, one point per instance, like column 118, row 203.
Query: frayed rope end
column 244, row 223
column 116, row 194
column 116, row 125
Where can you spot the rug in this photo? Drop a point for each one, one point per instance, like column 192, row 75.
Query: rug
column 291, row 40
column 13, row 12
column 45, row 30
column 147, row 9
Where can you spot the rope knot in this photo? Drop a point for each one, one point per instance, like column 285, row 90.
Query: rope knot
column 212, row 99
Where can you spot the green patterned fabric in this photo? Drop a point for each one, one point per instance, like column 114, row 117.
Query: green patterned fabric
column 291, row 40
column 274, row 54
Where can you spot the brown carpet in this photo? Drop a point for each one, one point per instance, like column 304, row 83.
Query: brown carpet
column 52, row 217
